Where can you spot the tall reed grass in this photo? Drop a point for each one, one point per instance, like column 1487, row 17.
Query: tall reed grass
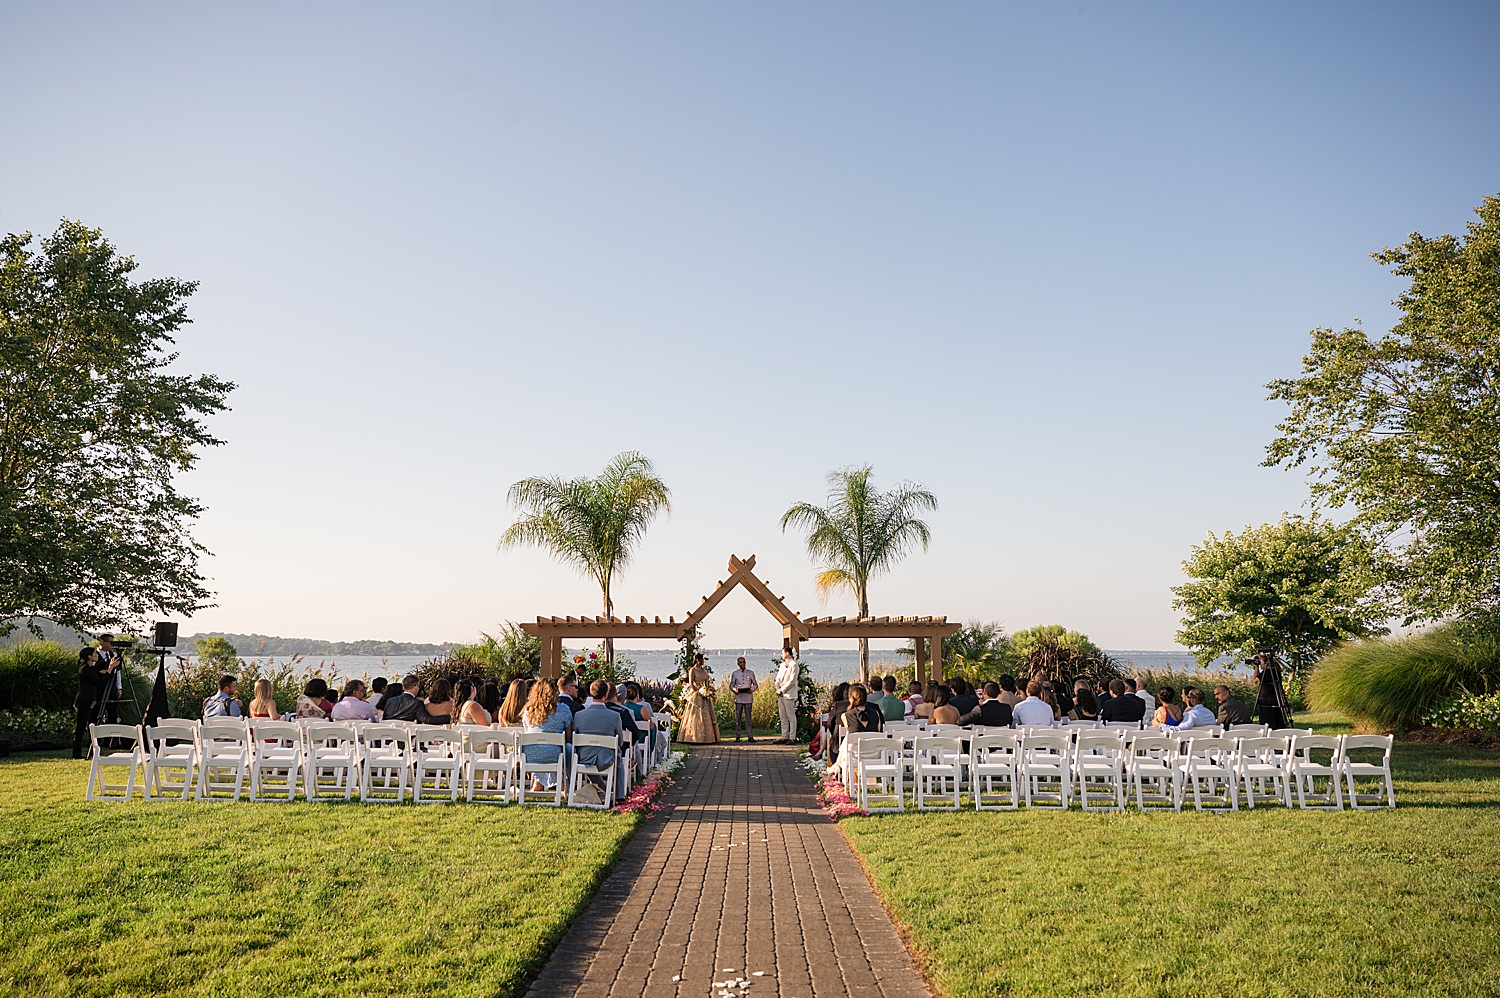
column 1388, row 684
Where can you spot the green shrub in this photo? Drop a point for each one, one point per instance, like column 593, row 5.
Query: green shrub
column 513, row 654
column 1389, row 684
column 38, row 674
column 33, row 725
column 1467, row 710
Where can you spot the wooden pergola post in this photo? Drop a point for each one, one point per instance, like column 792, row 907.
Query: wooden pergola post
column 919, row 673
column 937, row 658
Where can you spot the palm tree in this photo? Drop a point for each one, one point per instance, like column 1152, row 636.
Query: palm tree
column 861, row 532
column 592, row 524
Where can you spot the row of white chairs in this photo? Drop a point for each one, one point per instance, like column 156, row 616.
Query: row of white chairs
column 215, row 759
column 999, row 768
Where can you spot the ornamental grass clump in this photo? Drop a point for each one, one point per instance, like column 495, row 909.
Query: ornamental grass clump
column 1391, row 684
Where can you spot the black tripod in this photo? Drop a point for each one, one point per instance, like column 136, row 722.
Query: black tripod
column 1270, row 672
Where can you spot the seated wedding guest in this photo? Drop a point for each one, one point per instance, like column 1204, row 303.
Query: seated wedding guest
column 1085, row 706
column 545, row 712
column 862, row 715
column 263, row 704
column 1102, row 693
column 1048, row 696
column 330, row 697
column 1008, row 694
column 1168, row 715
column 223, row 703
column 892, row 707
column 489, row 699
column 635, row 702
column 312, row 698
column 1122, row 707
column 599, row 719
column 439, row 705
column 404, row 706
column 1144, row 694
column 992, row 712
column 377, row 688
column 961, row 698
column 1061, row 691
column 352, row 705
column 392, row 689
column 515, row 703
column 1033, row 710
column 1196, row 715
column 567, row 692
column 1231, row 709
column 943, row 711
column 912, row 700
column 838, row 703
column 923, row 711
column 470, row 710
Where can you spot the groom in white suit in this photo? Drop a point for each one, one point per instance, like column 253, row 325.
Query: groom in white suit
column 786, row 695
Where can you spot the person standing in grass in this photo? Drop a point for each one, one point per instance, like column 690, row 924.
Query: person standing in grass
column 94, row 678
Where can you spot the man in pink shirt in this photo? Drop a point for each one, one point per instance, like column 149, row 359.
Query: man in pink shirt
column 353, row 706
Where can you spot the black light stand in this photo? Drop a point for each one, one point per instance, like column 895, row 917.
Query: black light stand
column 163, row 640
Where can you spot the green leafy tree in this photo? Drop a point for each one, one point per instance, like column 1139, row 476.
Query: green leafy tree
column 217, row 654
column 1406, row 428
column 860, row 533
column 93, row 531
column 1299, row 585
column 1023, row 643
column 593, row 524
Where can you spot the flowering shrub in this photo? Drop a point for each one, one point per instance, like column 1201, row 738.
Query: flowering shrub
column 33, row 724
column 1466, row 710
column 647, row 794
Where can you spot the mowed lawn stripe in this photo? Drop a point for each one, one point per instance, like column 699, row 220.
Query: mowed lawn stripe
column 1263, row 903
column 276, row 899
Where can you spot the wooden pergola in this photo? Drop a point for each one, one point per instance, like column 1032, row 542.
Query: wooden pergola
column 923, row 631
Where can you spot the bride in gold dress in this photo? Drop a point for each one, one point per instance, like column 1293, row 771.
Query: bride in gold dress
column 700, row 725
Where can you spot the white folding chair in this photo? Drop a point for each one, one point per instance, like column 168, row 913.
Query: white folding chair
column 1248, row 730
column 437, row 756
column 171, row 746
column 1385, row 790
column 130, row 756
column 555, row 770
column 936, row 767
column 1046, row 769
column 879, row 760
column 1261, row 763
column 489, row 763
column 605, row 772
column 995, row 759
column 1306, row 770
column 385, row 755
column 223, row 758
column 276, row 753
column 1208, row 762
column 332, row 761
column 848, row 750
column 1151, row 765
column 1125, row 725
column 1099, row 769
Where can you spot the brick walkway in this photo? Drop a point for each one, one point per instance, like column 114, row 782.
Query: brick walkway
column 746, row 872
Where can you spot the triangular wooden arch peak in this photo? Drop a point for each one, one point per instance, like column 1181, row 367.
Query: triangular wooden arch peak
column 742, row 573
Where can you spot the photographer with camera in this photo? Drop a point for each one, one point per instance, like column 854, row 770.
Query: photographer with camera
column 96, row 685
column 1270, row 700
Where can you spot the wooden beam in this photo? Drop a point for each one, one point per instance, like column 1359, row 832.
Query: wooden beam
column 920, row 662
column 737, row 571
column 937, row 658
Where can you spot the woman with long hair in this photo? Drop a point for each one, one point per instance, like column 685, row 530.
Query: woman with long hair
column 468, row 709
column 700, row 723
column 264, row 702
column 923, row 710
column 942, row 711
column 1085, row 705
column 489, row 699
column 1048, row 696
column 514, row 705
column 544, row 712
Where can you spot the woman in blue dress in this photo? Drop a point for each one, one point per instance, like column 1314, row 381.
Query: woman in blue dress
column 544, row 713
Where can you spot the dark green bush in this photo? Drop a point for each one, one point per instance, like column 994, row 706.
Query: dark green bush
column 38, row 674
column 1387, row 684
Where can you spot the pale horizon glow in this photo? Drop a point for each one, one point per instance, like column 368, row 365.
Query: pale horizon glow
column 1040, row 260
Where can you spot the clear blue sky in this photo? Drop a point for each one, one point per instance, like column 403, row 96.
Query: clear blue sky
column 1041, row 259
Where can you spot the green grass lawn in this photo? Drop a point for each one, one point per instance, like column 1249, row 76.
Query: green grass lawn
column 282, row 899
column 1269, row 902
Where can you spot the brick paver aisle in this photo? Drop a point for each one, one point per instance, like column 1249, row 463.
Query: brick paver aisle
column 746, row 872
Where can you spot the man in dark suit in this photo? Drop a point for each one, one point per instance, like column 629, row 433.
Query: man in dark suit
column 627, row 721
column 1231, row 710
column 1122, row 707
column 405, row 706
column 962, row 700
column 991, row 712
column 567, row 692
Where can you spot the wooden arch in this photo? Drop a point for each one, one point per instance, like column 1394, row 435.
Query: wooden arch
column 794, row 629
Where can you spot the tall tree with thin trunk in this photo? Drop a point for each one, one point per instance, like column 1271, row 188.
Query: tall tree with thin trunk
column 861, row 532
column 593, row 524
